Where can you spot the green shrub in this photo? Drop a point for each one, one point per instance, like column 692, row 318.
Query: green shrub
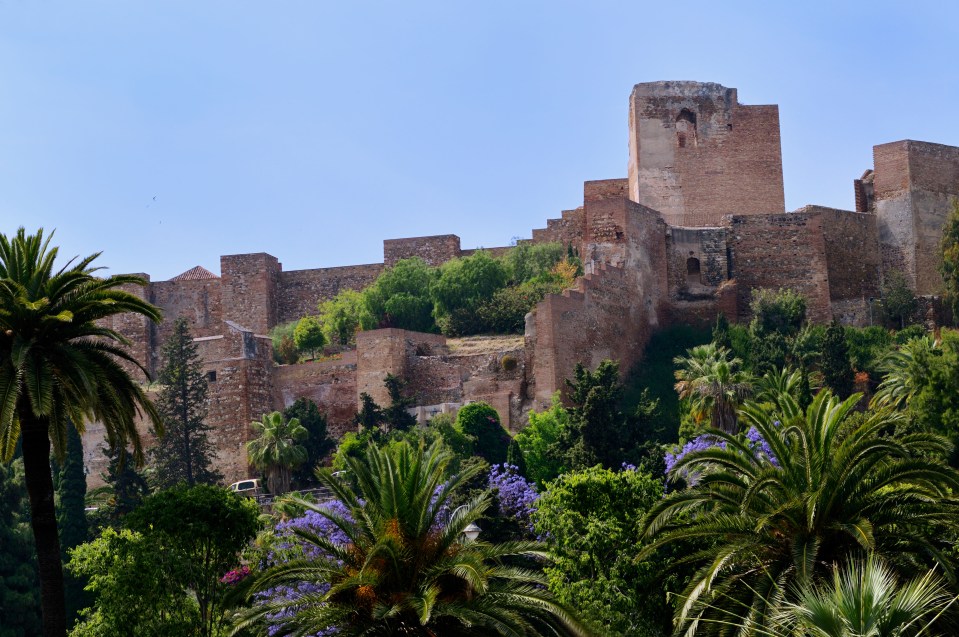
column 340, row 316
column 480, row 421
column 285, row 351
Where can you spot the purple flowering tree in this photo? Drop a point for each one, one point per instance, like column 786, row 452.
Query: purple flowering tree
column 388, row 561
column 752, row 440
column 515, row 495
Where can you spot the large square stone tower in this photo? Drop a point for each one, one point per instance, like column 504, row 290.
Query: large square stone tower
column 697, row 154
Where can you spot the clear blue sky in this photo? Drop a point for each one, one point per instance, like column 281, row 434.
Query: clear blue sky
column 313, row 130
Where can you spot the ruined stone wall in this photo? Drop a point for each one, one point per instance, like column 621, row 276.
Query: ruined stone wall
column 585, row 325
column 248, row 287
column 439, row 378
column 197, row 301
column 696, row 154
column 569, row 229
column 434, row 250
column 781, row 251
column 300, row 291
column 853, row 261
column 697, row 261
column 387, row 351
column 330, row 384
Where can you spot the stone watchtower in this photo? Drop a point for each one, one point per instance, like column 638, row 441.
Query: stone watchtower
column 696, row 153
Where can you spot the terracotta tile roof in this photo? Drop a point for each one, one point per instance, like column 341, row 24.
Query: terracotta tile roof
column 195, row 274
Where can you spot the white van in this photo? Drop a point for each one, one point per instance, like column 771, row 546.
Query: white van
column 250, row 488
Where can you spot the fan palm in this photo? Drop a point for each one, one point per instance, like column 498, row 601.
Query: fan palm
column 406, row 567
column 714, row 384
column 60, row 364
column 905, row 372
column 276, row 450
column 839, row 486
column 865, row 598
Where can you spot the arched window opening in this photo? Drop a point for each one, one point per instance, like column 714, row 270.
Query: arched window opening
column 693, row 274
column 686, row 128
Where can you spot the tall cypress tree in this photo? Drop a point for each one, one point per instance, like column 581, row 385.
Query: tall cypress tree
column 127, row 487
column 19, row 585
column 71, row 485
column 837, row 371
column 184, row 454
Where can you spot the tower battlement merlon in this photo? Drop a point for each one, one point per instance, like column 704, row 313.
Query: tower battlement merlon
column 697, row 154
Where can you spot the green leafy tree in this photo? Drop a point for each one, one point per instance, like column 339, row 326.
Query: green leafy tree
column 60, row 362
column 781, row 311
column 949, row 253
column 592, row 519
column 598, row 432
column 400, row 297
column 138, row 584
column 201, row 530
column 866, row 597
column 71, row 485
column 318, row 443
column 481, row 422
column 714, row 386
column 406, row 567
column 836, row 369
column 463, row 284
column 277, row 449
column 899, row 302
column 308, row 335
column 829, row 486
column 540, row 442
column 19, row 588
column 528, row 261
column 285, row 351
column 340, row 316
column 721, row 336
column 184, row 452
column 369, row 417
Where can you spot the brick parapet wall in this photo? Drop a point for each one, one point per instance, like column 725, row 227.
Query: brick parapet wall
column 569, row 229
column 781, row 251
column 301, row 291
column 435, row 250
column 853, row 258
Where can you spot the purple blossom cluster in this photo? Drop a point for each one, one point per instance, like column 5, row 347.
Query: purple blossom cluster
column 760, row 446
column 754, row 440
column 699, row 443
column 289, row 546
column 515, row 495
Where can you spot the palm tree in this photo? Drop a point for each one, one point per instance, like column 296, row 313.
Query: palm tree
column 714, row 384
column 406, row 567
column 906, row 370
column 865, row 597
column 276, row 451
column 59, row 364
column 839, row 487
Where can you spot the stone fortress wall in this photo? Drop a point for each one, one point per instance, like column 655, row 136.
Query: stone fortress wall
column 697, row 223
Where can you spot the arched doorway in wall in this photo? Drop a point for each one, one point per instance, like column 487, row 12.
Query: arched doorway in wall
column 686, row 128
column 693, row 272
